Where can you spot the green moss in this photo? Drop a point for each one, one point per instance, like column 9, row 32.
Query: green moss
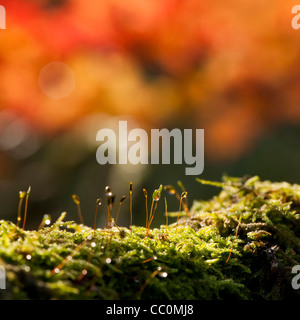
column 188, row 261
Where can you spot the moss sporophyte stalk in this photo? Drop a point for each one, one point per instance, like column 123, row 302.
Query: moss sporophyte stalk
column 244, row 243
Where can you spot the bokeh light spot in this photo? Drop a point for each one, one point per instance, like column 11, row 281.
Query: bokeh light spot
column 57, row 80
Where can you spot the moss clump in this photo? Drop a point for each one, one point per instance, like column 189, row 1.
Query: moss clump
column 256, row 223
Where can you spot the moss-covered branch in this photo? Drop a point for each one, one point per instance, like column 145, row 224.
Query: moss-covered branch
column 255, row 223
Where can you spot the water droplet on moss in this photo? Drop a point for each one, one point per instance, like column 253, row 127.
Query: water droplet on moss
column 56, row 270
column 163, row 274
column 84, row 272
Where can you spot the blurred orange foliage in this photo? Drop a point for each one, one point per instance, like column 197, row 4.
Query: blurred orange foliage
column 230, row 67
